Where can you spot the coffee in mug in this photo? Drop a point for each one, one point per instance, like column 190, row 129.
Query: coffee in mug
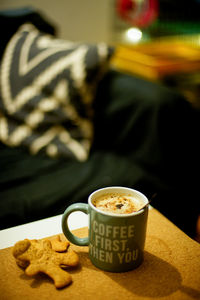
column 117, row 228
column 117, row 203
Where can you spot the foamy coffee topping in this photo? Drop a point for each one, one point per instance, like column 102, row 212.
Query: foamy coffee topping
column 117, row 203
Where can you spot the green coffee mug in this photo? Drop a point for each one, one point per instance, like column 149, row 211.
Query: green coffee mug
column 116, row 241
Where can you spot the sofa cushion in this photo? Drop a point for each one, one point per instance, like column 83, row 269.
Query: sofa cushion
column 47, row 89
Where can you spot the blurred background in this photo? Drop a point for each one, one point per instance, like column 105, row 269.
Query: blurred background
column 109, row 20
column 155, row 39
column 158, row 40
column 88, row 20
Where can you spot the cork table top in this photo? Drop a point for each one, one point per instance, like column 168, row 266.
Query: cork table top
column 171, row 270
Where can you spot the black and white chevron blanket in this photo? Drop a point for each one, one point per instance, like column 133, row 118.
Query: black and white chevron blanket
column 47, row 87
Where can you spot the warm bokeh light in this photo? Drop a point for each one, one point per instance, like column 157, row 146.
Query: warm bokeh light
column 133, row 35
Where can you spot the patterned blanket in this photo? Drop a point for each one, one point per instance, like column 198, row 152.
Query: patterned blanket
column 47, row 87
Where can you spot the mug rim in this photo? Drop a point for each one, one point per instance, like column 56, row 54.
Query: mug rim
column 110, row 214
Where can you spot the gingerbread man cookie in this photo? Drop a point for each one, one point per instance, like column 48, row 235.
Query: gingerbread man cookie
column 38, row 256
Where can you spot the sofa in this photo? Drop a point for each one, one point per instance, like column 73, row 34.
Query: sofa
column 111, row 129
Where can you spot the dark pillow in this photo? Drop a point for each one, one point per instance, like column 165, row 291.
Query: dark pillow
column 47, row 89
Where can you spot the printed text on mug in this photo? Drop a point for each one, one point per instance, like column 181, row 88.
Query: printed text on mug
column 111, row 240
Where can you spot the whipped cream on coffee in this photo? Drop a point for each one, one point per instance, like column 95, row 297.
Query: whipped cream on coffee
column 117, row 203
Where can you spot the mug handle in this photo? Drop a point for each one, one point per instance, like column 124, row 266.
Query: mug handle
column 69, row 235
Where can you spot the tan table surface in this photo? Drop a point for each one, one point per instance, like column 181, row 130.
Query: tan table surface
column 171, row 270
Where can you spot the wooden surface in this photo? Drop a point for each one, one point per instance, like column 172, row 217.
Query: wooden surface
column 171, row 270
